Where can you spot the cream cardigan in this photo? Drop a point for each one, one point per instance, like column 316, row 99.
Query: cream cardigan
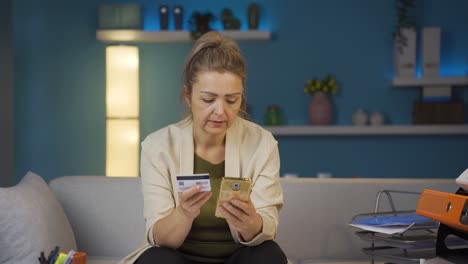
column 251, row 152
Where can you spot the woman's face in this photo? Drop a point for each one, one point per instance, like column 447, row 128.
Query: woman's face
column 215, row 101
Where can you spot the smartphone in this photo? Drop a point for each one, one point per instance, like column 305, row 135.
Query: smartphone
column 231, row 188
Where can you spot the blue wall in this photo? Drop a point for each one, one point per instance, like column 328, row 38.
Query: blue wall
column 60, row 83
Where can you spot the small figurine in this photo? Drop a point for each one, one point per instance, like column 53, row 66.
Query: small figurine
column 228, row 19
column 360, row 117
column 376, row 119
column 200, row 23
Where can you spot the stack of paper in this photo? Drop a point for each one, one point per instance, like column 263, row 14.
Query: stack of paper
column 393, row 224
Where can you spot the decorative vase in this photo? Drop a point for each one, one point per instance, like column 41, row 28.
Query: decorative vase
column 273, row 116
column 320, row 109
column 253, row 15
column 405, row 53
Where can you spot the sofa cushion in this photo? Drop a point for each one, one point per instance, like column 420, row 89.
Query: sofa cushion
column 31, row 221
column 106, row 213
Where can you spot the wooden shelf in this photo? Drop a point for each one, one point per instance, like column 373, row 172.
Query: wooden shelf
column 130, row 35
column 431, row 81
column 402, row 130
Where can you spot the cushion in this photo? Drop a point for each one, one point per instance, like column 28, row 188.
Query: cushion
column 31, row 221
column 106, row 213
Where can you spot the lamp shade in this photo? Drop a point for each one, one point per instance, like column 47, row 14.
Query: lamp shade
column 122, row 82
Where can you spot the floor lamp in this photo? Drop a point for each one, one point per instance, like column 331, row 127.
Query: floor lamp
column 122, row 111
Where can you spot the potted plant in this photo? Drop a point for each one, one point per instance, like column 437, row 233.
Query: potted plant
column 200, row 23
column 327, row 85
column 320, row 107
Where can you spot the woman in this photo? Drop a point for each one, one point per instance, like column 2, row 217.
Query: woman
column 214, row 139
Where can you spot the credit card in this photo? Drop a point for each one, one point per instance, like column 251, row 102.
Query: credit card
column 185, row 182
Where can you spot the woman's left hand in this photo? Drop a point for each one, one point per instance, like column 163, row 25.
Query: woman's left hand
column 242, row 217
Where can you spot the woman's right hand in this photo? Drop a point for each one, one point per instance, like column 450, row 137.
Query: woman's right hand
column 191, row 201
column 171, row 231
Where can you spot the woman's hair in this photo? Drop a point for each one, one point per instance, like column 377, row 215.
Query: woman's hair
column 214, row 52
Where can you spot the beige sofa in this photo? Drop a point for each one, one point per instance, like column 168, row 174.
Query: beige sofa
column 106, row 214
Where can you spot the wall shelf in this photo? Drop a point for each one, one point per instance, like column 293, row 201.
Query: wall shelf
column 430, row 130
column 431, row 81
column 130, row 35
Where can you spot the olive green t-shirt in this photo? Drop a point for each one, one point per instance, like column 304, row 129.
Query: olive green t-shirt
column 210, row 239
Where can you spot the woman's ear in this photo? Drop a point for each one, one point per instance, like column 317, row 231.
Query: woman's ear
column 187, row 96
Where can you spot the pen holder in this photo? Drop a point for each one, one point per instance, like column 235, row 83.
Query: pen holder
column 79, row 258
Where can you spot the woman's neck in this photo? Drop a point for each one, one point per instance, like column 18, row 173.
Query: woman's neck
column 210, row 148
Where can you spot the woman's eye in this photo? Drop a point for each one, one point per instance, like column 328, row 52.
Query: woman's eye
column 231, row 101
column 208, row 100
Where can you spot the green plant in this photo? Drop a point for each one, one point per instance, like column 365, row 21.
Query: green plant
column 404, row 20
column 327, row 85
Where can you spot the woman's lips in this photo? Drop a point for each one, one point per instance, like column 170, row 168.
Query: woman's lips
column 217, row 123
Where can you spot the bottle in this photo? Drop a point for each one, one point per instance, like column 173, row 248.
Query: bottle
column 273, row 116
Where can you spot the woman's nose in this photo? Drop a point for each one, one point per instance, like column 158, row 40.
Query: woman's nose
column 219, row 108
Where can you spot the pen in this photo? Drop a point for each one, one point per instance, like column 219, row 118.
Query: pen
column 47, row 261
column 54, row 254
column 70, row 257
column 42, row 259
